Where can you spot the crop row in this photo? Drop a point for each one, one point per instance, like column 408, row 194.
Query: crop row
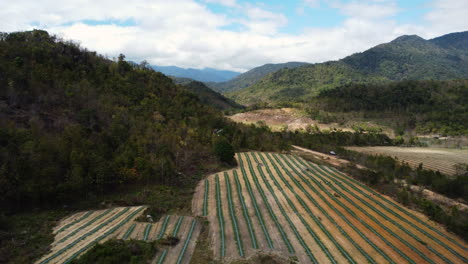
column 379, row 212
column 352, row 213
column 318, row 173
column 404, row 220
column 258, row 213
column 284, row 236
column 86, row 215
column 101, row 237
column 147, row 231
column 129, row 231
column 350, row 183
column 76, row 241
column 283, row 212
column 244, row 211
column 219, row 211
column 84, row 226
column 163, row 227
column 303, row 204
column 177, row 226
column 187, row 241
column 325, row 213
column 232, row 213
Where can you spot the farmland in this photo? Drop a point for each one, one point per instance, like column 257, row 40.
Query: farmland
column 437, row 159
column 282, row 204
column 79, row 232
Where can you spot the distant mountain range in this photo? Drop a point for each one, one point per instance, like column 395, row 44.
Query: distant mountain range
column 202, row 75
column 405, row 58
column 252, row 76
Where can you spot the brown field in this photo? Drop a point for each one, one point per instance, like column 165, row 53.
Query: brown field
column 276, row 119
column 438, row 159
column 79, row 232
column 291, row 207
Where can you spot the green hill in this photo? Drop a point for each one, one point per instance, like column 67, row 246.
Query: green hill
column 427, row 106
column 405, row 58
column 75, row 124
column 252, row 76
column 209, row 97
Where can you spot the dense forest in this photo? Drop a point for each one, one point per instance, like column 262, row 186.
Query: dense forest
column 427, row 106
column 75, row 124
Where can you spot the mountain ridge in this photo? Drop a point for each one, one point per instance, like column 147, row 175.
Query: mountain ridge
column 407, row 57
column 202, row 75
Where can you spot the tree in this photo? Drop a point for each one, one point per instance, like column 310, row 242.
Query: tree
column 224, row 150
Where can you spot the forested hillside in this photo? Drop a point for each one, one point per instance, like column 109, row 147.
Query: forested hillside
column 75, row 124
column 252, row 76
column 427, row 106
column 405, row 58
column 210, row 97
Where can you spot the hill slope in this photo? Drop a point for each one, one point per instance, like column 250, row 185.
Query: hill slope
column 202, row 75
column 405, row 58
column 252, row 76
column 209, row 97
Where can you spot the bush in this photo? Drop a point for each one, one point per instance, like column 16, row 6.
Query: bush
column 224, row 150
column 119, row 251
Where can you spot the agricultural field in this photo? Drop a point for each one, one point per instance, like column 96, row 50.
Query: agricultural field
column 79, row 232
column 437, row 159
column 285, row 205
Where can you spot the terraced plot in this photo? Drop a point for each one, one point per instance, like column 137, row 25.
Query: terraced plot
column 79, row 232
column 284, row 204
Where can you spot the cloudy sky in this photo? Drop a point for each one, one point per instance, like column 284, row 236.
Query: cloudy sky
column 233, row 34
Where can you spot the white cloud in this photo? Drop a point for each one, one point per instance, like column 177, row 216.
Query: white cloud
column 230, row 3
column 187, row 34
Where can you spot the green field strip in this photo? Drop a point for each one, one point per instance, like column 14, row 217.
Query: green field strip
column 258, row 213
column 353, row 186
column 324, row 212
column 379, row 212
column 110, row 231
column 272, row 214
column 306, row 207
column 245, row 212
column 86, row 215
column 187, row 241
column 147, row 231
column 293, row 207
column 163, row 227
column 219, row 213
column 175, row 232
column 129, row 231
column 162, row 257
column 283, row 212
column 317, row 173
column 375, row 232
column 85, row 225
column 233, row 216
column 76, row 241
column 205, row 198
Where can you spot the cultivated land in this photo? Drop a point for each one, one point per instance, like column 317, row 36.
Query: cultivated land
column 79, row 232
column 276, row 119
column 438, row 159
column 285, row 205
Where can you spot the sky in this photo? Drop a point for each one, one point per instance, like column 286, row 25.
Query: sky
column 233, row 34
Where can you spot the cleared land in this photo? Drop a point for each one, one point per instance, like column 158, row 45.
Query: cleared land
column 276, row 119
column 438, row 159
column 287, row 206
column 79, row 232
